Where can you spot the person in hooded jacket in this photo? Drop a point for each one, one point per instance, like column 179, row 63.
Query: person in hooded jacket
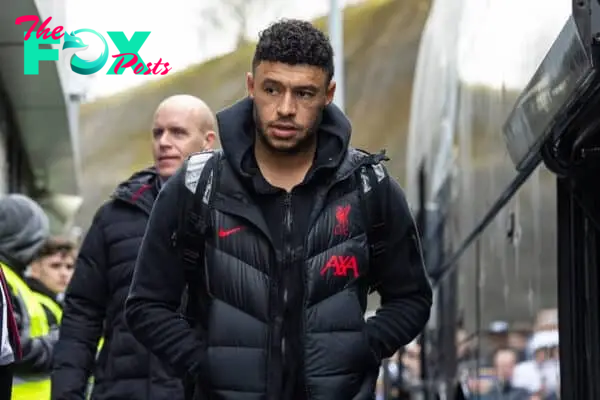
column 95, row 298
column 276, row 302
column 24, row 228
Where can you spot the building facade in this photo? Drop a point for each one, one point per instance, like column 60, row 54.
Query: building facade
column 38, row 120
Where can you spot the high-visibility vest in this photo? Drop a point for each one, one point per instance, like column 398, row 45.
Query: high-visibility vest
column 90, row 386
column 50, row 305
column 55, row 309
column 34, row 387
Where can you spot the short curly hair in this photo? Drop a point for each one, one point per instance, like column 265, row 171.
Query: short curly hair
column 295, row 42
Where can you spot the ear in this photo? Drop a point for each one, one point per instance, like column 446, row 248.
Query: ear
column 330, row 92
column 209, row 139
column 34, row 269
column 250, row 84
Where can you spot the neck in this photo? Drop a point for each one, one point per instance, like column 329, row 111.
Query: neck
column 284, row 170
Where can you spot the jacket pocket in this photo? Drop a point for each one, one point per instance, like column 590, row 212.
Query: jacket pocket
column 367, row 356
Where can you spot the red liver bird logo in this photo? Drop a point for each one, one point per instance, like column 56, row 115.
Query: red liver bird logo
column 341, row 215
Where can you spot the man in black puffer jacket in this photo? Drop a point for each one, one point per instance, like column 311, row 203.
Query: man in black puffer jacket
column 95, row 298
column 276, row 303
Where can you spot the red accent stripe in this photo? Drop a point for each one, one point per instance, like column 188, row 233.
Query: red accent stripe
column 140, row 191
column 13, row 330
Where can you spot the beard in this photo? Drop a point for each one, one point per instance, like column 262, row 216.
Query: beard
column 300, row 146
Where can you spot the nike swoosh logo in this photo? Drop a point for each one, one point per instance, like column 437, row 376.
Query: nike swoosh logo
column 224, row 233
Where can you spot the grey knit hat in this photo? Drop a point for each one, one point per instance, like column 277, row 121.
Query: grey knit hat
column 24, row 227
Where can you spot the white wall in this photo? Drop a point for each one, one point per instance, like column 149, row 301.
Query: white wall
column 72, row 83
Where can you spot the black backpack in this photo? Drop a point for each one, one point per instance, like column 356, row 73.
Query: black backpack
column 202, row 181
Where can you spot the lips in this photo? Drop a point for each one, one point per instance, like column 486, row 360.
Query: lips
column 283, row 130
column 168, row 158
column 284, row 127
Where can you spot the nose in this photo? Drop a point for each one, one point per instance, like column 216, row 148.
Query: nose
column 65, row 271
column 287, row 105
column 164, row 139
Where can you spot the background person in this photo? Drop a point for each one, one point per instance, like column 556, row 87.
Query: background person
column 95, row 299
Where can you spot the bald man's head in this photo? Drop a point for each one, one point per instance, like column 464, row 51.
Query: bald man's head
column 182, row 125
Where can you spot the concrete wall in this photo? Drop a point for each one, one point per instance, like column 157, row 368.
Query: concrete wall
column 45, row 119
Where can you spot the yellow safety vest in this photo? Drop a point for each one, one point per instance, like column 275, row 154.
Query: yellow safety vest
column 90, row 386
column 49, row 304
column 55, row 309
column 29, row 388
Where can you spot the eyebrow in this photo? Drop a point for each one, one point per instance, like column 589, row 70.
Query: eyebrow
column 302, row 87
column 169, row 127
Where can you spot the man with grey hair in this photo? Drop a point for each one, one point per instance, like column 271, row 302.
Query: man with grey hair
column 95, row 299
column 24, row 228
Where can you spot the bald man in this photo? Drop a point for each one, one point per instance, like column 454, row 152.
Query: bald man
column 95, row 299
column 182, row 124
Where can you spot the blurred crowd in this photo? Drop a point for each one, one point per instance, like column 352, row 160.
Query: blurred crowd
column 518, row 361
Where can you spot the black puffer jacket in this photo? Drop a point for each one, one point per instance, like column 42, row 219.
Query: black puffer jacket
column 285, row 281
column 94, row 305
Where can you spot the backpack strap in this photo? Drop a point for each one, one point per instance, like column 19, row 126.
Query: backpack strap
column 373, row 201
column 201, row 176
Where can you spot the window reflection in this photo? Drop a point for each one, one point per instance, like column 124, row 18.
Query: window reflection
column 474, row 60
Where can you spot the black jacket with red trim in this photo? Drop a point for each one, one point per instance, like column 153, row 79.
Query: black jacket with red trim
column 94, row 305
column 284, row 287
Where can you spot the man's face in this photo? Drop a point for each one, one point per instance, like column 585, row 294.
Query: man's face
column 54, row 271
column 504, row 363
column 288, row 104
column 411, row 359
column 544, row 354
column 517, row 340
column 176, row 133
column 499, row 339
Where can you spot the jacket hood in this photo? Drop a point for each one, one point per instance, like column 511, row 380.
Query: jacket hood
column 139, row 189
column 237, row 135
column 24, row 228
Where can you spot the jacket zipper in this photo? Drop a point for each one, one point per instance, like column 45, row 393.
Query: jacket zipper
column 304, row 279
column 287, row 261
column 303, row 322
column 288, row 222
